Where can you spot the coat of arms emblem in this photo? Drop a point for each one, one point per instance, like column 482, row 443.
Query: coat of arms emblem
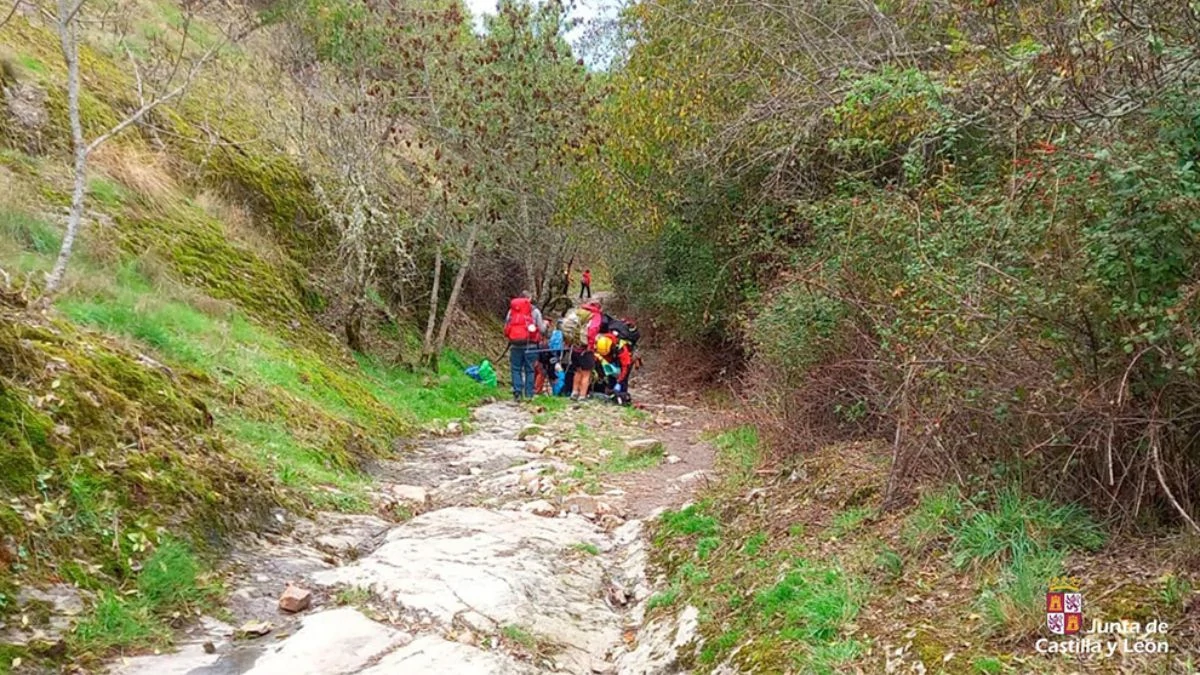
column 1064, row 607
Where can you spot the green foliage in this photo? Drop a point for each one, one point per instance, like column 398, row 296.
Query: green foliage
column 1175, row 592
column 933, row 516
column 665, row 598
column 324, row 478
column 29, row 233
column 585, row 547
column 753, row 544
column 848, row 521
column 1018, row 527
column 890, row 563
column 520, row 635
column 690, row 521
column 170, row 583
column 117, row 621
column 987, row 665
column 739, row 449
column 106, row 192
column 1016, row 603
column 622, row 461
column 813, row 604
column 798, row 328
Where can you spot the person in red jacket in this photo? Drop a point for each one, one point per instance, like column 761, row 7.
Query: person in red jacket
column 522, row 328
column 585, row 284
column 583, row 352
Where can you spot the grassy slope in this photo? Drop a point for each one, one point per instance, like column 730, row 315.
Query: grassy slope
column 180, row 386
column 808, row 576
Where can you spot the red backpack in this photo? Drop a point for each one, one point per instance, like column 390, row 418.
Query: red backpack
column 520, row 321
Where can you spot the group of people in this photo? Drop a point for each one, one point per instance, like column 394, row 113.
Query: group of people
column 585, row 353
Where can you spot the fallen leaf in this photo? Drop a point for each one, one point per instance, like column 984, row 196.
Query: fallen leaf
column 256, row 628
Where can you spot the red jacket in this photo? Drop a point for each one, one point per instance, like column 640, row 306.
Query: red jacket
column 624, row 357
column 587, row 278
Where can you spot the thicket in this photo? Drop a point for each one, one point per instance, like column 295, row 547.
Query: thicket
column 971, row 230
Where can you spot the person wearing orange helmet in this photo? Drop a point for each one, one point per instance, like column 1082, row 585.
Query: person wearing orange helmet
column 616, row 360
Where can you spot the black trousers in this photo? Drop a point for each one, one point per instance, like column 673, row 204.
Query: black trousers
column 585, row 289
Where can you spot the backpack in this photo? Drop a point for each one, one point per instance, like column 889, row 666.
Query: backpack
column 520, row 326
column 575, row 325
column 487, row 374
column 625, row 330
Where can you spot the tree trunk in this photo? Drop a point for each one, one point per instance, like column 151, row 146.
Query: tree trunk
column 428, row 350
column 70, row 47
column 353, row 327
column 448, row 316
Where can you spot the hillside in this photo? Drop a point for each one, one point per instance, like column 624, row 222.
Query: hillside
column 182, row 383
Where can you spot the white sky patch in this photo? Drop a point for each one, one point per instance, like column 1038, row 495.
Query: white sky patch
column 584, row 10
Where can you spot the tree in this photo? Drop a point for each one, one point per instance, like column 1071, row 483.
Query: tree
column 159, row 78
column 492, row 124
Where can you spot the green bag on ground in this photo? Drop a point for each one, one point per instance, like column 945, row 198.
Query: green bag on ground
column 487, row 373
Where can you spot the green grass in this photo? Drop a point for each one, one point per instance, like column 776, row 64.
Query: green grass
column 932, row 516
column 662, row 599
column 890, row 564
column 106, row 192
column 520, row 636
column 1175, row 592
column 987, row 665
column 690, row 521
column 1018, row 526
column 811, row 605
column 1015, row 604
column 754, row 544
column 723, row 644
column 1026, row 540
column 236, row 350
column 528, row 640
column 299, row 466
column 169, row 585
column 635, row 416
column 739, row 449
column 848, row 521
column 623, row 462
column 29, row 233
column 354, row 596
column 31, row 63
column 584, row 547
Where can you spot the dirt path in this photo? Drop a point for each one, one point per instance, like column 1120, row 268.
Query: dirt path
column 526, row 554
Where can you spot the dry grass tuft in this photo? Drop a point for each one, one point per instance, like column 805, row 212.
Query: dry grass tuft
column 137, row 168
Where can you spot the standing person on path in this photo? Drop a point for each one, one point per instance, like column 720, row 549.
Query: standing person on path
column 585, row 284
column 582, row 327
column 521, row 328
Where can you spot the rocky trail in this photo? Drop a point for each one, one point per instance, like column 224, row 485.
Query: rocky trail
column 525, row 554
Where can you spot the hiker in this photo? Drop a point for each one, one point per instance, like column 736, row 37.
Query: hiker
column 521, row 328
column 585, row 284
column 544, row 361
column 581, row 327
column 566, row 281
column 556, row 350
column 616, row 360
